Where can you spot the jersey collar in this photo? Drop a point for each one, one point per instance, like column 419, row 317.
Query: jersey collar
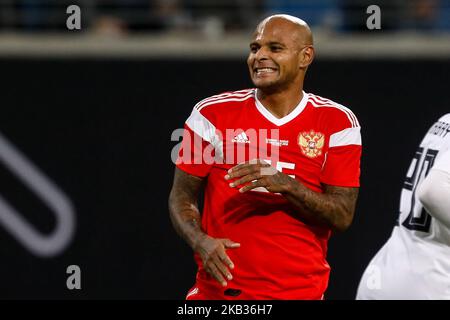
column 281, row 121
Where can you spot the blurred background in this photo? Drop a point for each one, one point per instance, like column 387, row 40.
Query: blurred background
column 86, row 122
column 217, row 17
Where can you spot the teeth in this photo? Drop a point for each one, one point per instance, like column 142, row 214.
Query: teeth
column 260, row 70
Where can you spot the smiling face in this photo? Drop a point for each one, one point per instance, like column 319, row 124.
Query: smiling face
column 277, row 54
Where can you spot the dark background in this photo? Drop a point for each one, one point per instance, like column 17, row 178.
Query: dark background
column 101, row 129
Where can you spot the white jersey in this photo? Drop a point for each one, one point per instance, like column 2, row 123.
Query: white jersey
column 415, row 261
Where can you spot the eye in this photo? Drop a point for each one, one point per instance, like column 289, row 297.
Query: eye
column 254, row 48
column 275, row 48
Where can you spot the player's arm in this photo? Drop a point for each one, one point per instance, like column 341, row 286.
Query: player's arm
column 186, row 219
column 183, row 206
column 434, row 191
column 335, row 207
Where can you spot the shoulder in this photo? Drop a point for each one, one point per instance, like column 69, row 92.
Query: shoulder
column 226, row 99
column 441, row 129
column 333, row 111
column 445, row 118
column 210, row 110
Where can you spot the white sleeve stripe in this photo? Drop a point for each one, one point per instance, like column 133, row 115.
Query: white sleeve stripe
column 319, row 101
column 344, row 109
column 201, row 126
column 346, row 137
column 228, row 93
column 224, row 96
column 224, row 100
column 350, row 112
column 205, row 129
column 334, row 106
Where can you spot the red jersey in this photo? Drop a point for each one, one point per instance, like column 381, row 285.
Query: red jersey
column 281, row 256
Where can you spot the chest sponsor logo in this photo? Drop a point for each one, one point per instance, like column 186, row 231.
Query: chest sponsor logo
column 311, row 143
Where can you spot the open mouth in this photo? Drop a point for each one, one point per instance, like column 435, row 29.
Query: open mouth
column 265, row 70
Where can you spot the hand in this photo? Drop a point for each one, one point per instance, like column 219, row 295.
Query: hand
column 215, row 260
column 258, row 173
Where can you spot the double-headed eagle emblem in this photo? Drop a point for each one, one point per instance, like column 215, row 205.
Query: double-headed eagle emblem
column 311, row 143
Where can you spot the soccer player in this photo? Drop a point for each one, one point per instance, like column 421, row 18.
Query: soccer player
column 415, row 261
column 276, row 186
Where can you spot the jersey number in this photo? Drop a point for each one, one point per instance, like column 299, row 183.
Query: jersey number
column 423, row 221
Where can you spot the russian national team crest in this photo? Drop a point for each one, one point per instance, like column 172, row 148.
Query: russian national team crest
column 311, row 143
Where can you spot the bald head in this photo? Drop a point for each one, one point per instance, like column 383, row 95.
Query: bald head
column 280, row 52
column 299, row 28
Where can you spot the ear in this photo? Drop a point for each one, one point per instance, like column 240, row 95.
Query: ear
column 306, row 56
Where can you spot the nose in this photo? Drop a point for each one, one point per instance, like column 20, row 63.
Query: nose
column 261, row 54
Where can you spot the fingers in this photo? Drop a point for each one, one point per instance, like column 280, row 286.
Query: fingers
column 226, row 259
column 251, row 175
column 230, row 244
column 223, row 256
column 250, row 182
column 217, row 267
column 217, row 263
column 248, row 167
column 253, row 185
column 245, row 179
column 215, row 273
column 239, row 172
column 222, row 268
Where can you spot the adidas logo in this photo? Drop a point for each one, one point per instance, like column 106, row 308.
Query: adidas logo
column 241, row 138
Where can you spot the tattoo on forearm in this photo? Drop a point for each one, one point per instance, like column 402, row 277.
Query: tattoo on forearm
column 183, row 207
column 335, row 207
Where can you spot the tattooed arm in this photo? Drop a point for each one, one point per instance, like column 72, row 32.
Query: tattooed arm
column 186, row 219
column 334, row 207
column 183, row 206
